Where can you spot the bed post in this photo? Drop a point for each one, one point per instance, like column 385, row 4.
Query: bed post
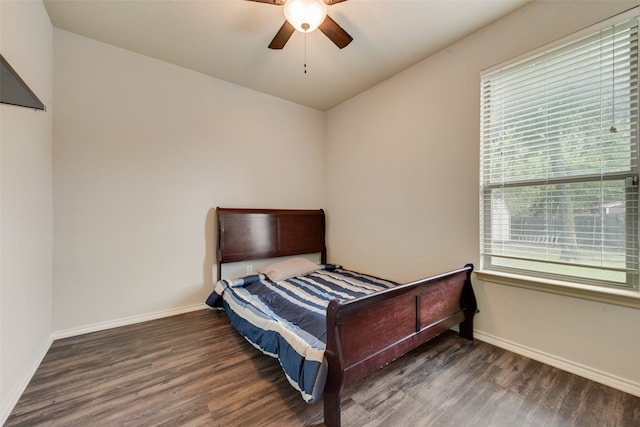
column 323, row 253
column 469, row 306
column 332, row 409
column 218, row 249
column 334, row 384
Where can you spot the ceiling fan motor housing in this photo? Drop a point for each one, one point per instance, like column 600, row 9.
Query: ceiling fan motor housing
column 305, row 15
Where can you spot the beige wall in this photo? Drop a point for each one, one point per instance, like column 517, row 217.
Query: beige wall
column 402, row 194
column 143, row 153
column 26, row 41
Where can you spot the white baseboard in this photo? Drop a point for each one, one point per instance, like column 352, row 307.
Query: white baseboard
column 9, row 401
column 66, row 333
column 596, row 375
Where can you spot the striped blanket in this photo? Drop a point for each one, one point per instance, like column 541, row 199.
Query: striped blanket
column 286, row 319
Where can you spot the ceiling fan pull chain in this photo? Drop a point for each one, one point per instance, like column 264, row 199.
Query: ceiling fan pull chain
column 305, row 52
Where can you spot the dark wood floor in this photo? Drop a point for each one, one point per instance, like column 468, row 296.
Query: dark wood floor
column 195, row 370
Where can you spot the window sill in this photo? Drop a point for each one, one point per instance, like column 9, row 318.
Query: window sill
column 624, row 297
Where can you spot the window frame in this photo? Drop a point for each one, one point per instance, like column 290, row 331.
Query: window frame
column 616, row 293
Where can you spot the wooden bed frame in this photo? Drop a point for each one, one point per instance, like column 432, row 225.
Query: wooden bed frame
column 396, row 320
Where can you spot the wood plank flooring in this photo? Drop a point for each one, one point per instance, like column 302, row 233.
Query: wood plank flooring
column 195, row 370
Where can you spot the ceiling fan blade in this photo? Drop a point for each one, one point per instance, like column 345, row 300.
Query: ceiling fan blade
column 327, row 2
column 336, row 34
column 282, row 36
column 276, row 2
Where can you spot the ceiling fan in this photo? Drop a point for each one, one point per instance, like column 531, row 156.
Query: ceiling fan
column 305, row 16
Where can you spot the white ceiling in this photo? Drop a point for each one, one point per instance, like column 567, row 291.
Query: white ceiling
column 228, row 39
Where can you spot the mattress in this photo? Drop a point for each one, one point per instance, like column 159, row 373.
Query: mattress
column 287, row 319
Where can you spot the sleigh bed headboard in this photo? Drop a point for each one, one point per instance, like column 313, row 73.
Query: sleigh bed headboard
column 251, row 234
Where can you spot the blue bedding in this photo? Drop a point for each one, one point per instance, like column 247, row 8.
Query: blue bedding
column 286, row 319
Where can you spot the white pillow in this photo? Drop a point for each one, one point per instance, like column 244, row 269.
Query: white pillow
column 287, row 269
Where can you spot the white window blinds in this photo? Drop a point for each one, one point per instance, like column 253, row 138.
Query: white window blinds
column 559, row 159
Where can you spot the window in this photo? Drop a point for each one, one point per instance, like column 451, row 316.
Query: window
column 559, row 159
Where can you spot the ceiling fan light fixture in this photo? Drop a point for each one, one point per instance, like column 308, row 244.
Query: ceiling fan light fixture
column 305, row 15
